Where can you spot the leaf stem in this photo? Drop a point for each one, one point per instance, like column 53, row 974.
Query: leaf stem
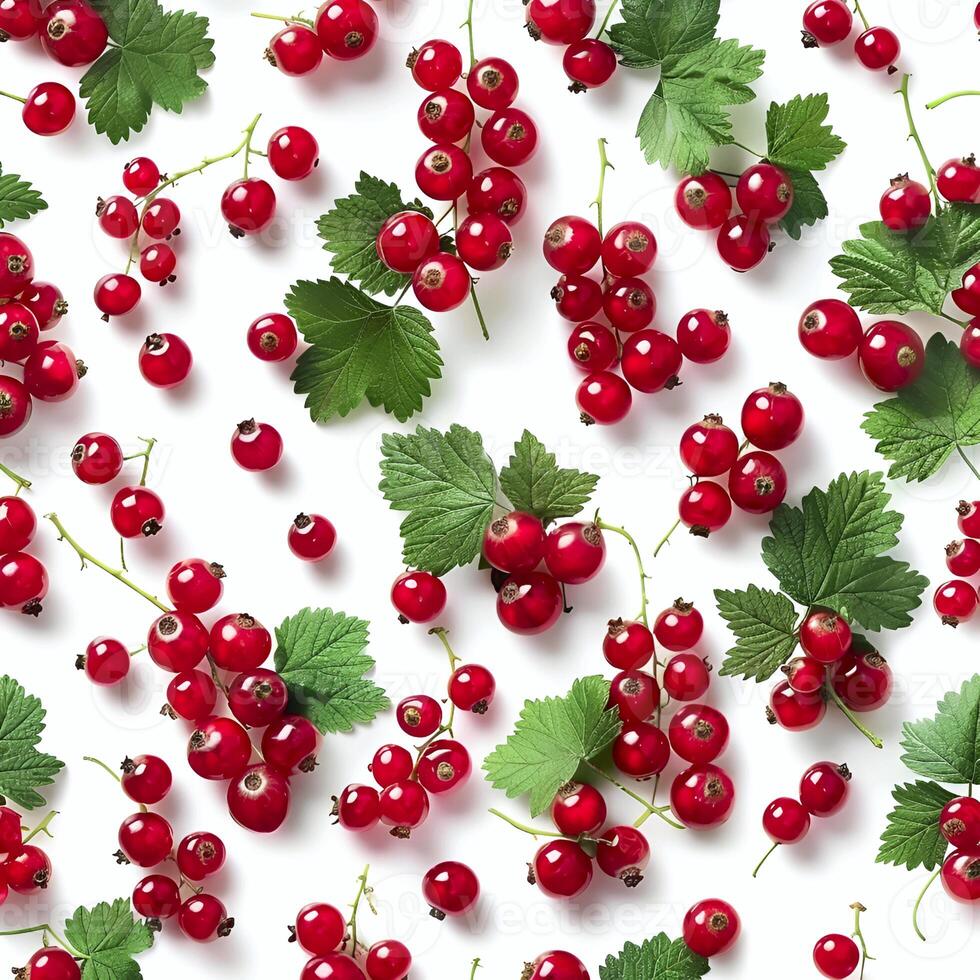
column 748, row 149
column 523, row 827
column 918, row 902
column 23, row 101
column 607, row 18
column 476, row 966
column 22, row 484
column 604, row 165
column 860, row 13
column 42, row 827
column 966, row 459
column 914, row 135
column 952, row 95
column 285, row 20
column 765, row 857
column 102, row 765
column 87, row 556
column 666, row 537
column 859, row 936
column 479, row 311
column 962, row 324
column 649, row 809
column 854, row 720
column 45, row 928
column 468, row 24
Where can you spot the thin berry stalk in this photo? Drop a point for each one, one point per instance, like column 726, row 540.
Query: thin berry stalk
column 607, row 18
column 284, row 20
column 952, row 95
column 649, row 809
column 860, row 13
column 41, row 828
column 604, row 165
column 364, row 892
column 48, row 933
column 22, row 483
column 468, row 24
column 859, row 936
column 145, row 456
column 476, row 966
column 914, row 135
column 23, row 101
column 527, row 828
column 765, row 857
column 918, row 902
column 854, row 720
column 666, row 537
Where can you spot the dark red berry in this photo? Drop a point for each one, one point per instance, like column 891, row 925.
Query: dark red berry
column 146, row 779
column 577, row 297
column 419, row 597
column 203, row 918
column 492, row 83
column 651, row 361
column 156, row 897
column 192, row 695
column 117, row 294
column 248, row 205
column 96, row 458
column 686, row 677
column 290, row 744
column 498, row 191
column 258, row 697
column 293, row 153
column 471, row 688
column 561, row 869
column 629, row 304
column 589, row 63
column 772, row 418
column 704, row 335
column 443, row 765
column 572, row 245
column 878, row 49
column 441, row 283
column 509, row 137
column 404, row 806
column 961, row 876
column 165, row 360
column 824, row 788
column 200, row 855
column 320, row 928
column 862, row 679
column 743, row 242
column 709, row 447
column 785, row 820
column 219, row 749
column 623, row 852
column 711, row 926
column 702, row 796
column 805, row 675
column 146, row 839
column 826, row 22
column 635, row 694
column 258, row 799
column 641, row 750
column 603, row 398
column 436, row 64
column 347, row 29
column 575, row 552
column 592, row 347
column 73, row 33
column 450, row 888
column 704, row 201
column 906, row 205
column 891, row 355
column 272, row 337
column 529, row 602
column 955, row 602
column 830, row 329
column 578, row 808
column 704, row 508
column 358, row 808
column 794, row 711
column 177, row 641
column 105, row 661
column 765, row 192
column 256, row 446
column 836, row 956
column 757, row 483
column 627, row 645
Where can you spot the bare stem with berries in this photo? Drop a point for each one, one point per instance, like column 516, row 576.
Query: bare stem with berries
column 859, row 936
column 914, row 135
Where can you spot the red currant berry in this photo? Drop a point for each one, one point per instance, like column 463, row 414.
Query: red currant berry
column 891, row 355
column 320, row 928
column 704, row 335
column 203, row 918
column 219, row 749
column 436, row 64
column 136, row 511
column 603, row 398
column 52, row 371
column 46, row 302
column 177, row 641
column 961, row 876
column 968, row 517
column 680, row 627
column 257, row 697
column 405, row 240
column 450, row 888
column 443, row 172
column 509, row 137
column 785, row 820
column 73, row 33
column 29, row 871
column 248, row 205
column 514, row 542
column 862, row 679
column 970, row 343
column 492, row 83
column 709, row 447
column 19, row 332
column 702, row 796
column 794, row 711
column 165, row 360
column 146, row 779
column 764, row 192
column 641, row 750
column 11, row 834
column 192, row 695
column 629, row 305
column 629, row 249
column 959, row 823
column 636, row 695
column 830, row 329
column 805, row 675
column 419, row 715
column 146, row 839
column 116, row 295
column 96, row 458
column 49, row 109
column 836, row 956
column 592, row 347
column 878, row 49
column 825, row 636
column 17, row 20
column 18, row 524
column 575, row 552
column 589, row 63
column 686, row 677
column 471, row 688
column 404, row 807
column 23, row 583
column 140, row 176
column 772, row 418
column 272, row 337
column 962, row 557
column 311, row 537
column 419, row 597
column 441, row 283
column 256, row 446
column 334, row 966
column 826, row 22
column 959, row 180
column 623, row 852
column 388, row 960
column 824, row 788
column 572, row 245
column 498, row 191
column 258, row 799
column 157, row 264
column 743, row 242
column 156, row 897
column 578, row 809
column 484, row 242
column 117, row 216
column 290, row 744
column 200, row 855
column 105, row 661
column 390, row 764
column 557, row 965
column 757, row 483
column 698, row 733
column 627, row 645
column 561, row 869
column 195, row 585
column 15, row 405
column 529, row 603
column 704, row 201
column 955, row 602
column 560, row 21
column 577, row 297
column 295, row 50
column 651, row 361
column 445, row 116
column 16, row 265
column 444, row 765
column 51, row 963
column 704, row 508
column 347, row 28
column 161, row 219
column 711, row 926
column 358, row 807
column 905, row 206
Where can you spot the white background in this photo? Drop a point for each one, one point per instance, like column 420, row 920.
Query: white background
column 364, row 117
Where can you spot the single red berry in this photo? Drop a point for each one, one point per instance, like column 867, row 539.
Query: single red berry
column 52, row 371
column 830, row 329
column 636, row 695
column 358, row 807
column 679, row 627
column 862, row 679
column 290, row 744
column 117, row 216
column 529, row 602
column 257, row 697
column 836, row 956
column 484, row 242
column 794, row 711
column 105, row 661
column 441, row 283
column 200, row 855
column 805, row 675
column 258, row 799
column 575, row 552
column 698, row 733
column 498, row 191
column 219, row 749
column 629, row 305
column 589, row 63
column 561, row 869
column 16, row 265
column 509, row 137
column 295, row 50
column 195, row 585
column 702, row 796
column 146, row 839
column 970, row 343
column 592, row 347
column 11, row 833
column 419, row 597
column 450, row 888
column 961, row 876
column 335, row 966
column 405, row 240
column 891, row 355
column 968, row 517
column 203, row 918
column 557, row 964
column 165, row 360
column 572, row 245
column 641, row 750
column 703, row 201
column 136, row 511
column 436, row 64
column 419, row 715
column 192, row 695
column 629, row 249
column 757, row 483
column 23, row 583
column 627, row 645
column 878, row 49
column 709, row 447
column 772, row 418
column 623, row 852
column 320, row 928
column 492, row 83
column 651, row 361
column 711, row 926
column 743, row 242
column 578, row 808
column 825, row 636
column 514, row 542
column 388, row 960
column 18, row 523
column 49, row 109
column 146, row 779
column 390, row 764
column 824, row 788
column 686, row 677
column 955, row 602
column 156, row 897
column 140, row 176
column 46, row 302
column 51, row 963
column 905, row 206
column 962, row 557
column 16, row 405
column 443, row 172
column 704, row 335
column 293, row 153
column 19, row 331
column 272, row 337
column 445, row 116
column 256, row 446
column 560, row 21
column 17, row 20
column 248, row 205
column 959, row 180
column 347, row 29
column 959, row 823
column 577, row 297
column 116, row 295
column 311, row 537
column 96, row 458
column 161, row 219
column 444, row 765
column 73, row 33
column 177, row 641
column 704, row 508
column 826, row 22
column 29, row 871
column 404, row 807
column 785, row 820
column 764, row 192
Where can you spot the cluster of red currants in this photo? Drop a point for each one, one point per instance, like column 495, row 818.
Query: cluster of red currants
column 764, row 193
column 146, row 839
column 967, row 298
column 772, row 419
column 828, row 22
column 959, row 823
column 24, row 867
column 956, row 601
column 23, row 577
column 835, row 663
column 824, row 789
column 73, row 34
column 588, row 61
column 343, row 30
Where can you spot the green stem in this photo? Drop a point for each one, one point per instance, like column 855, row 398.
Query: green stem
column 644, row 601
column 145, row 456
column 765, row 857
column 48, row 931
column 966, row 460
column 914, row 135
column 87, row 556
column 604, row 165
column 23, row 101
column 918, row 902
column 860, row 13
column 443, row 635
column 962, row 324
column 102, row 765
column 42, row 827
column 525, row 828
column 649, row 809
column 468, row 24
column 859, row 936
column 285, row 20
column 952, row 95
column 22, row 484
column 666, row 537
column 479, row 311
column 476, row 966
column 607, row 18
column 363, row 892
column 748, row 149
column 854, row 720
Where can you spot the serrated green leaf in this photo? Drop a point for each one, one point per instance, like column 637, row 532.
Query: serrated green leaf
column 350, row 228
column 947, row 747
column 22, row 767
column 954, row 239
column 109, row 936
column 913, row 837
column 552, row 738
column 659, row 958
column 155, row 59
column 360, row 349
column 320, row 655
column 809, row 204
column 797, row 137
column 764, row 624
column 18, row 199
column 926, row 421
column 533, row 482
column 448, row 485
column 656, row 31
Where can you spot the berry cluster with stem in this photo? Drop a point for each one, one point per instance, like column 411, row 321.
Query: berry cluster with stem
column 829, row 22
column 838, row 956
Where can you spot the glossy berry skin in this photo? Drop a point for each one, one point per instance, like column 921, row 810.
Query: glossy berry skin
column 146, row 839
column 830, row 329
column 404, row 807
column 219, row 749
column 629, row 304
column 192, row 695
column 836, row 956
column 471, row 687
column 311, row 537
column 203, row 919
column 295, row 50
column 764, row 192
column 441, row 283
column 156, row 897
column 49, row 109
column 557, row 964
column 492, row 83
column 450, row 888
column 826, row 22
column 390, row 764
column 702, row 796
column 52, row 372
column 955, row 602
column 704, row 508
column 443, row 172
column 578, row 808
column 698, row 733
column 46, row 302
column 16, row 405
column 18, row 523
column 200, row 855
column 509, row 137
column 711, row 926
column 629, row 249
column 248, row 205
column 679, row 627
column 140, row 176
column 785, row 820
column 388, row 960
column 588, row 63
column 419, row 597
column 161, row 219
column 560, row 21
column 484, row 242
column 862, row 680
column 257, row 697
column 405, row 240
column 825, row 636
column 239, row 642
column 51, row 963
column 16, row 265
column 17, row 20
column 195, row 585
column 23, row 583
column 529, row 603
column 704, row 201
column 445, row 116
column 177, row 641
column 256, row 446
column 878, row 49
column 627, row 645
column 572, row 245
column 757, row 483
column 272, row 337
column 73, row 34
column 623, row 852
column 961, row 876
column 444, row 765
column 165, row 360
column 743, row 242
column 959, row 823
column 419, row 715
column 29, row 871
column 347, row 29
column 641, row 750
column 574, row 552
column 561, row 869
column 651, row 361
column 891, row 355
column 805, row 675
column 105, row 661
column 686, row 677
column 970, row 343
column 709, row 447
column 592, row 347
column 968, row 517
column 117, row 216
column 290, row 744
column 824, row 788
column 906, row 205
column 293, row 153
column 11, row 833
column 96, row 458
column 772, row 417
column 117, row 294
column 577, row 298
column 146, row 779
column 498, row 191
column 19, row 332
column 320, row 928
column 358, row 808
column 704, row 335
column 959, row 180
column 334, row 966
column 258, row 799
column 436, row 64
column 635, row 694
column 794, row 711
column 514, row 542
column 603, row 398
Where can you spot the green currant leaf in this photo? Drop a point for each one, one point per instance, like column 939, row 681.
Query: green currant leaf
column 809, row 204
column 18, row 199
column 764, row 624
column 913, row 837
column 659, row 958
column 653, row 32
column 109, row 936
column 360, row 349
column 797, row 138
column 22, row 767
column 946, row 747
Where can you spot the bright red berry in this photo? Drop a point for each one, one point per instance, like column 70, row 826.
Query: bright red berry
column 836, row 956
column 177, row 641
column 136, row 511
column 443, row 172
column 679, row 627
column 498, row 191
column 635, row 694
column 405, row 240
column 156, row 897
column 970, row 343
column 219, row 749
column 575, row 552
column 686, row 677
column 961, row 876
column 878, row 49
column 256, row 446
column 772, row 418
column 51, row 963
column 23, row 583
column 347, row 29
column 560, row 21
column 698, row 733
column 117, row 216
column 891, row 355
column 711, row 926
column 445, row 116
column 73, row 33
column 785, row 820
column 824, row 788
column 272, row 337
column 290, row 744
column 16, row 405
column 959, row 823
column 805, row 675
column 19, row 331
column 572, row 245
column 629, row 305
column 388, row 960
column 704, row 335
column 16, row 265
column 593, row 347
column 311, row 537
column 203, row 918
column 704, row 508
column 320, row 928
column 794, row 711
column 29, row 871
column 484, row 242
column 161, row 219
column 862, row 679
column 146, row 839
column 248, row 205
column 968, row 517
column 96, row 458
column 905, row 206
column 140, row 176
column 46, row 302
column 146, row 779
column 651, row 361
column 49, row 109
column 200, row 855
column 165, row 360
column 578, row 808
column 709, row 447
column 509, row 137
column 441, row 283
column 192, row 695
column 295, row 50
column 419, row 715
column 757, row 483
column 826, row 22
column 589, row 63
column 436, row 64
column 955, row 602
column 629, row 249
column 258, row 799
column 419, row 597
column 825, row 636
column 18, row 523
column 641, row 750
column 623, row 852
column 450, row 888
column 603, row 398
column 105, row 661
column 257, row 697
column 195, row 585
column 627, row 645
column 743, row 242
column 703, row 201
column 358, row 807
column 390, row 764
column 959, row 180
column 444, row 765
column 293, row 153
column 702, row 796
column 52, row 371
column 116, row 295
column 17, row 20
column 830, row 329
column 764, row 192
column 561, row 869
column 492, row 83
column 577, row 298
column 333, row 966
column 529, row 602
column 404, row 807
column 514, row 542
